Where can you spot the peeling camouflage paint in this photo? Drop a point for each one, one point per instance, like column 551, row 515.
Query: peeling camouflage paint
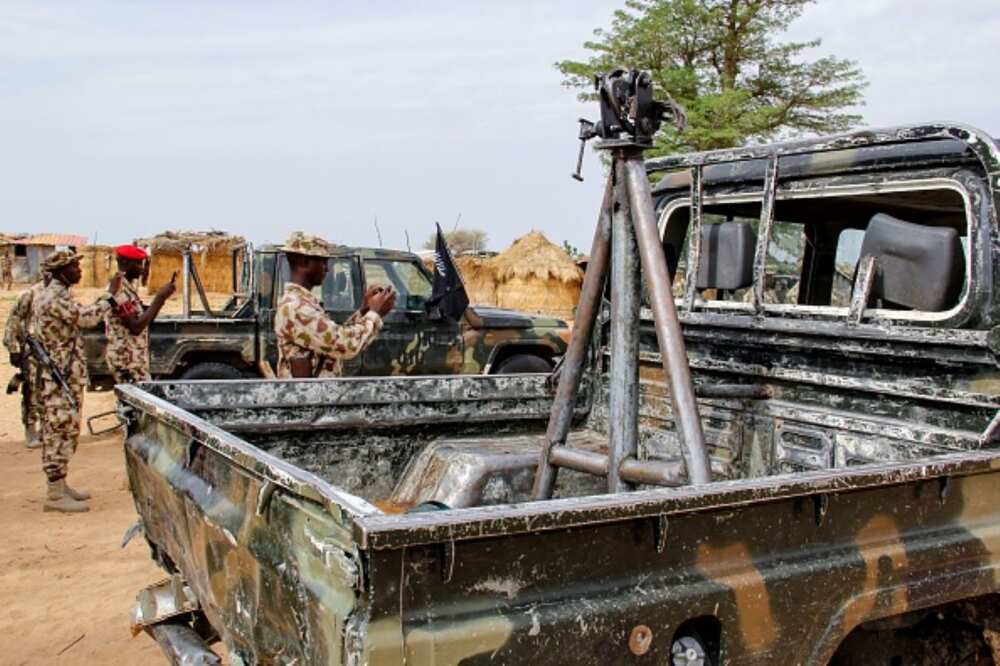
column 854, row 488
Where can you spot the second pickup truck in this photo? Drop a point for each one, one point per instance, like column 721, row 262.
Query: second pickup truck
column 236, row 342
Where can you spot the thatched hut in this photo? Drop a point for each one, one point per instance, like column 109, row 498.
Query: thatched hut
column 215, row 255
column 534, row 275
column 479, row 278
column 98, row 265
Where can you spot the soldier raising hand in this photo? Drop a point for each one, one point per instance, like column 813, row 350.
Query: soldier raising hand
column 127, row 324
column 310, row 344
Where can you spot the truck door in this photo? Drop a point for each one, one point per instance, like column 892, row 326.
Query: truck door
column 340, row 294
column 410, row 343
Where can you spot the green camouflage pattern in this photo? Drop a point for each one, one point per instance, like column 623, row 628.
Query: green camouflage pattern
column 854, row 514
column 410, row 342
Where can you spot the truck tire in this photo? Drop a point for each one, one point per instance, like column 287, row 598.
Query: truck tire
column 210, row 370
column 523, row 363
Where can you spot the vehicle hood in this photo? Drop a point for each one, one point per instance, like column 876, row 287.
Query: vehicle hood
column 486, row 317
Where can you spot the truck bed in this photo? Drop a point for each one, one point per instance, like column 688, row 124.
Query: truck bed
column 386, row 520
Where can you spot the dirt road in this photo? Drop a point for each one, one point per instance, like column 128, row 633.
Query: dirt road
column 66, row 584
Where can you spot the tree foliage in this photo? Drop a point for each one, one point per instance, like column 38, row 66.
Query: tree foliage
column 722, row 60
column 460, row 240
column 570, row 249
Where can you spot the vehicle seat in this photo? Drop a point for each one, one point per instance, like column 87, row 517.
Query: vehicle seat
column 919, row 267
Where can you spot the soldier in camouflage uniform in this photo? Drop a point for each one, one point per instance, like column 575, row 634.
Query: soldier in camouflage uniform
column 18, row 326
column 58, row 321
column 6, row 267
column 127, row 325
column 310, row 344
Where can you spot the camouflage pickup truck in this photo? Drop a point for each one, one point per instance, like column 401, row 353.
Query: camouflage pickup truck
column 851, row 510
column 233, row 342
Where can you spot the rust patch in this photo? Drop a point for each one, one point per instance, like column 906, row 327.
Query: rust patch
column 758, row 626
column 884, row 555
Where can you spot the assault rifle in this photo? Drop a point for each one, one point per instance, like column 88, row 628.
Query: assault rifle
column 45, row 361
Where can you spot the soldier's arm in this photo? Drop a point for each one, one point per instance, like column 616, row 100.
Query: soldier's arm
column 88, row 316
column 137, row 323
column 15, row 327
column 318, row 333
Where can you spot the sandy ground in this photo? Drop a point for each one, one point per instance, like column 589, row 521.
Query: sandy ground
column 66, row 584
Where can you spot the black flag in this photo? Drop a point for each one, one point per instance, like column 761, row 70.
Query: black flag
column 448, row 298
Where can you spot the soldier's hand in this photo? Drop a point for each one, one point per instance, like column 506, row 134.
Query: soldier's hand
column 167, row 290
column 115, row 284
column 15, row 360
column 383, row 301
column 366, row 301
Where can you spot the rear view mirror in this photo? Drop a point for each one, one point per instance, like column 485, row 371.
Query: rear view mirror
column 727, row 251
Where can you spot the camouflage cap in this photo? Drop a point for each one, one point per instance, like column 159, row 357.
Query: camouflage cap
column 58, row 259
column 313, row 246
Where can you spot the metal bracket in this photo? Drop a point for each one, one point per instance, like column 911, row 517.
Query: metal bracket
column 821, row 504
column 90, row 423
column 131, row 532
column 447, row 561
column 944, row 488
column 660, row 531
column 867, row 271
column 264, row 497
column 190, row 452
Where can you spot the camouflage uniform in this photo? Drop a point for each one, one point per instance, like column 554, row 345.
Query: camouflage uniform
column 127, row 354
column 304, row 329
column 58, row 320
column 6, row 267
column 17, row 327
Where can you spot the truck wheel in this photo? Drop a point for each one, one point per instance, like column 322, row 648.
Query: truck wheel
column 211, row 370
column 523, row 363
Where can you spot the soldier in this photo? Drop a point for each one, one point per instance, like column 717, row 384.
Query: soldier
column 310, row 344
column 6, row 267
column 127, row 325
column 18, row 326
column 58, row 320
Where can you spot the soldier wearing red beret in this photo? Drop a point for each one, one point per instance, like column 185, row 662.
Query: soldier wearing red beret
column 127, row 325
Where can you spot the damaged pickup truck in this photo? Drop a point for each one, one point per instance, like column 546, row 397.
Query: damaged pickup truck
column 742, row 478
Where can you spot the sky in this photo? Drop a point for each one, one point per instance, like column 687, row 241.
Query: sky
column 123, row 119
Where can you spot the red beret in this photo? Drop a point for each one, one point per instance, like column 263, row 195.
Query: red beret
column 130, row 252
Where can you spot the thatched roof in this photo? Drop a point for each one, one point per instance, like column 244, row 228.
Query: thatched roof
column 534, row 256
column 199, row 241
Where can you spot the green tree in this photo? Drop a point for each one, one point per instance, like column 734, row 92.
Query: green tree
column 571, row 250
column 460, row 240
column 723, row 61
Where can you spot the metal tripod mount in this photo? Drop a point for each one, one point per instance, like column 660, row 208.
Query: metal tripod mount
column 628, row 237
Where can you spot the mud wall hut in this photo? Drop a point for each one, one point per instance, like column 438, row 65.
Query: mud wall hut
column 98, row 265
column 212, row 254
column 537, row 276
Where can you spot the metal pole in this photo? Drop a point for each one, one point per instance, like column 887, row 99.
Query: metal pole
column 186, row 283
column 623, row 398
column 561, row 417
column 668, row 328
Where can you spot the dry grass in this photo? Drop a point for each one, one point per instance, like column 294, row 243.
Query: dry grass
column 534, row 275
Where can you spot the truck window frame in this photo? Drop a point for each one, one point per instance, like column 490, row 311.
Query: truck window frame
column 821, row 188
column 280, row 278
column 417, row 266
